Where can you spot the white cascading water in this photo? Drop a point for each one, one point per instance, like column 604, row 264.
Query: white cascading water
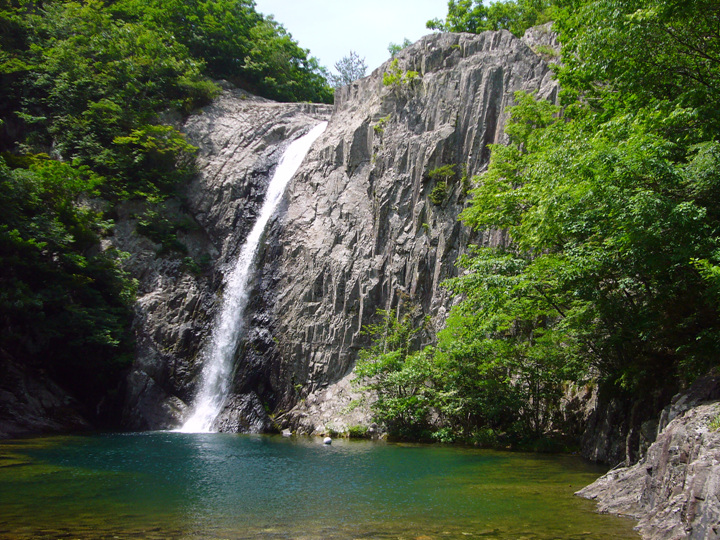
column 218, row 368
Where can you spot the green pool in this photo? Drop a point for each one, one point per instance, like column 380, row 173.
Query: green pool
column 176, row 485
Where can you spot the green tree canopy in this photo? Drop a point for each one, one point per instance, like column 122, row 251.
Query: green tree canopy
column 349, row 68
column 474, row 16
column 65, row 306
column 236, row 43
column 610, row 202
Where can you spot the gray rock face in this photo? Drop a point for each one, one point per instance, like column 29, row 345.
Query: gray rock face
column 361, row 231
column 674, row 491
column 358, row 230
column 240, row 139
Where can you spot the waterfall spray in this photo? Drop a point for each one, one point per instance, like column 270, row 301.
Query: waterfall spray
column 218, row 354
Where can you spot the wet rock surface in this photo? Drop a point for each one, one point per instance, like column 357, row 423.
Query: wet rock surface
column 240, row 140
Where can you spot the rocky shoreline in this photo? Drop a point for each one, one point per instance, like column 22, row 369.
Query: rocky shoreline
column 674, row 490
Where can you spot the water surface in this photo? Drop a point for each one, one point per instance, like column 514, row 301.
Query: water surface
column 181, row 485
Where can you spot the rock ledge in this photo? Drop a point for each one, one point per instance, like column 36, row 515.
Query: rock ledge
column 674, row 491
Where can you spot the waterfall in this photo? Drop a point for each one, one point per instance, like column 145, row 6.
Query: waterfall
column 218, row 364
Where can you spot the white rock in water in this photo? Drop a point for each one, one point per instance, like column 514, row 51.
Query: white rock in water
column 286, row 433
column 327, row 440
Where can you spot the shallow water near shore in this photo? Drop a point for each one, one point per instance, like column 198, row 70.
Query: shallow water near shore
column 179, row 485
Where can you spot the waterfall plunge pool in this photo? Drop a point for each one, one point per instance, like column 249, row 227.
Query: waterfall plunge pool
column 213, row 485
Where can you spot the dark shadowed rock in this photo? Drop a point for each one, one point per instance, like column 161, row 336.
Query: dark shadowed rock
column 31, row 403
column 674, row 490
column 620, row 427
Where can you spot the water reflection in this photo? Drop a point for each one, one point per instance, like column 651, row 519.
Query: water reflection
column 234, row 486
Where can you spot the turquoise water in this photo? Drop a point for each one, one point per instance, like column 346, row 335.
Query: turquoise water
column 177, row 485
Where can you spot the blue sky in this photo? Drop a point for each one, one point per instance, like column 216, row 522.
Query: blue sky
column 332, row 28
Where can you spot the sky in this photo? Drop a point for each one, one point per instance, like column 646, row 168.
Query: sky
column 332, row 28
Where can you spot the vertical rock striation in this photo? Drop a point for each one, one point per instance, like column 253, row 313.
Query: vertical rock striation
column 674, row 490
column 240, row 139
column 364, row 226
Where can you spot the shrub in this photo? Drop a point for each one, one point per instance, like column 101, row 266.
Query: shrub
column 485, row 437
column 395, row 77
column 446, row 172
column 546, row 52
column 358, row 432
column 379, row 127
column 439, row 193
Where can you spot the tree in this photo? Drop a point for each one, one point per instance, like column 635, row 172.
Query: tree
column 397, row 373
column 613, row 268
column 617, row 196
column 475, row 17
column 350, row 68
column 660, row 52
column 394, row 48
column 236, row 43
column 65, row 306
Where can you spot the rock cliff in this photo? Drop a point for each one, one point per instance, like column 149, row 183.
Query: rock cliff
column 31, row 403
column 364, row 226
column 240, row 140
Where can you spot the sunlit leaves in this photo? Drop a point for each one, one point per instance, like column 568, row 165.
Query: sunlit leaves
column 646, row 50
column 622, row 219
column 397, row 374
column 475, row 17
column 612, row 269
column 237, row 44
